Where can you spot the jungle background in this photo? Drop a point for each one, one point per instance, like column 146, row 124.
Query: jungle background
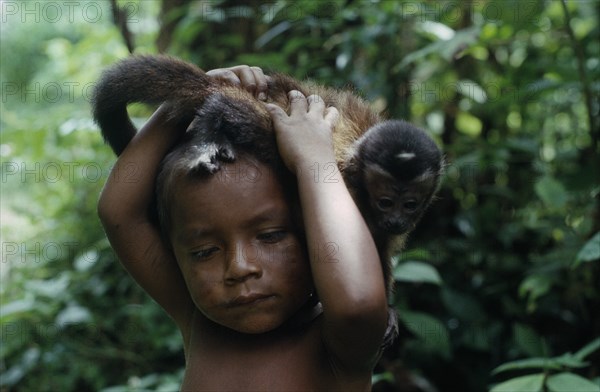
column 498, row 285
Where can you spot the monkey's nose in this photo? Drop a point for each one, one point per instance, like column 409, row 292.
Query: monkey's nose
column 395, row 227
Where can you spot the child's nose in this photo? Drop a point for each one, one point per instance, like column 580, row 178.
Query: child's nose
column 243, row 263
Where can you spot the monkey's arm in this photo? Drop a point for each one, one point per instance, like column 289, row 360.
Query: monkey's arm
column 123, row 210
column 345, row 265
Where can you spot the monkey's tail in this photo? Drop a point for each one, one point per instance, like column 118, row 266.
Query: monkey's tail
column 149, row 80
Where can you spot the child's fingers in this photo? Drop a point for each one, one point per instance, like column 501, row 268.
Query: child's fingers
column 331, row 116
column 247, row 77
column 315, row 102
column 277, row 113
column 261, row 83
column 252, row 79
column 298, row 103
column 224, row 74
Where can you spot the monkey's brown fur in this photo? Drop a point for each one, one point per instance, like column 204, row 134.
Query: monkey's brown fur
column 229, row 118
column 157, row 79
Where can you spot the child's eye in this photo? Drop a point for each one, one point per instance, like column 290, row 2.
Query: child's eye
column 204, row 253
column 272, row 237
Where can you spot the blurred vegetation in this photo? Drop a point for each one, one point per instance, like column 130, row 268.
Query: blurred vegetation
column 498, row 285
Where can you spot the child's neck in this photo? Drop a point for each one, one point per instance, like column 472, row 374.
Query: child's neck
column 297, row 324
column 305, row 315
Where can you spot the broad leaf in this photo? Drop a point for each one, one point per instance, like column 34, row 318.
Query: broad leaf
column 417, row 272
column 531, row 383
column 588, row 349
column 569, row 382
column 431, row 332
column 571, row 361
column 590, row 251
column 529, row 363
column 552, row 192
column 529, row 340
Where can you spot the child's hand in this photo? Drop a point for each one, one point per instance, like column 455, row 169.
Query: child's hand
column 304, row 137
column 250, row 78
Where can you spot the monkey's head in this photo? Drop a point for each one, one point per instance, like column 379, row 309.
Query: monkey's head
column 401, row 168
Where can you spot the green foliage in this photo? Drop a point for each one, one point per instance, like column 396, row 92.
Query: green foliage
column 500, row 279
column 415, row 271
column 70, row 316
column 552, row 376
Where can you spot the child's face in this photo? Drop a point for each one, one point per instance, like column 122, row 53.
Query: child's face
column 238, row 249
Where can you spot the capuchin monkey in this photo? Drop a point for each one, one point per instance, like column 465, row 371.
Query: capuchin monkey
column 391, row 168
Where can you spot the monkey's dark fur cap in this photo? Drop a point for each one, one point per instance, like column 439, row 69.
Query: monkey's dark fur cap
column 400, row 148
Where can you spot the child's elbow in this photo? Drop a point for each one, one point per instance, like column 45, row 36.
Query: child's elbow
column 106, row 211
column 368, row 311
column 375, row 309
column 367, row 322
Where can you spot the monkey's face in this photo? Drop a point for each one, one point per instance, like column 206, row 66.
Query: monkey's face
column 396, row 206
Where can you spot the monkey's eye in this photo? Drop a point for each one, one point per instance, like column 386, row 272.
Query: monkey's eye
column 411, row 205
column 385, row 203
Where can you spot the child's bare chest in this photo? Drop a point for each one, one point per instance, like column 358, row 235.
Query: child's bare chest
column 287, row 367
column 296, row 361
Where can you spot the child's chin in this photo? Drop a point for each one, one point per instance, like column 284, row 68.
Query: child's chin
column 256, row 326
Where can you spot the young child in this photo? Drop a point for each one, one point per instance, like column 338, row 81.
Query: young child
column 268, row 296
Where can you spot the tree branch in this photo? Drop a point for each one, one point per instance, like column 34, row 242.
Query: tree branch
column 120, row 20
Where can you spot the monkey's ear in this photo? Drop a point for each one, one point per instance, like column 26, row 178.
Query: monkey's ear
column 351, row 171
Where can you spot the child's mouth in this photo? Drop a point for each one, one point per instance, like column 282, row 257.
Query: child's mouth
column 248, row 299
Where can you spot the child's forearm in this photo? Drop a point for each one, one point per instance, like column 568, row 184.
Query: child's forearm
column 130, row 187
column 344, row 260
column 123, row 210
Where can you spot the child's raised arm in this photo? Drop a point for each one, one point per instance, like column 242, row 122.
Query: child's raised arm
column 344, row 260
column 123, row 209
column 125, row 200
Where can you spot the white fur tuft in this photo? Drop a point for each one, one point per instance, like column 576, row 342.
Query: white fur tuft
column 406, row 156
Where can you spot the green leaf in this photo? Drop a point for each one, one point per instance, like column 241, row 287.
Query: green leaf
column 468, row 124
column 463, row 306
column 386, row 376
column 431, row 332
column 528, row 340
column 535, row 286
column 552, row 193
column 51, row 288
column 556, row 363
column 529, row 363
column 590, row 251
column 272, row 33
column 531, row 383
column 73, row 314
column 446, row 48
column 15, row 308
column 569, row 382
column 417, row 272
column 86, row 260
column 27, row 361
column 588, row 349
column 471, row 89
column 568, row 360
